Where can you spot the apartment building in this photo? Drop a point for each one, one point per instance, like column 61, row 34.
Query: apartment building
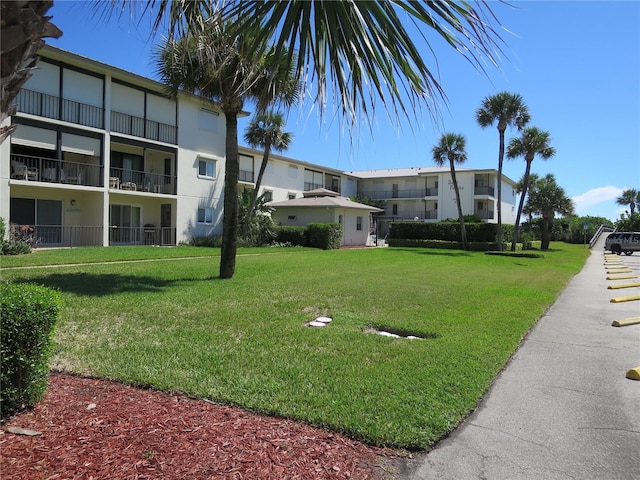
column 101, row 156
column 427, row 194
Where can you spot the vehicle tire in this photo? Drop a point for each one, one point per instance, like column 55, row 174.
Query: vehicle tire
column 628, row 252
column 616, row 249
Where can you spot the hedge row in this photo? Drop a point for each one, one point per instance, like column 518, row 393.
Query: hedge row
column 448, row 231
column 28, row 315
column 445, row 244
column 326, row 236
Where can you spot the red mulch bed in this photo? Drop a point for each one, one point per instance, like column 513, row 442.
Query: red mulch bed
column 95, row 429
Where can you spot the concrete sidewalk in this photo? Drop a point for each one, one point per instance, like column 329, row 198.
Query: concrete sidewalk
column 562, row 408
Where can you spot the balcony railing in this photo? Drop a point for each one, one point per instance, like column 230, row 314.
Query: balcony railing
column 308, row 186
column 133, row 180
column 385, row 194
column 485, row 214
column 63, row 235
column 142, row 235
column 245, row 176
column 49, row 106
column 139, row 127
column 38, row 169
column 412, row 215
column 486, row 190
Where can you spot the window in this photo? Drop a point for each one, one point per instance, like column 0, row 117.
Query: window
column 207, row 168
column 205, row 215
column 267, row 195
column 394, row 209
column 291, row 196
column 358, row 223
column 291, row 217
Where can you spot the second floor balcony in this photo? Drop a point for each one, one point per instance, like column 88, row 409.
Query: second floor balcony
column 137, row 181
column 50, row 106
column 39, row 169
column 399, row 193
column 484, row 190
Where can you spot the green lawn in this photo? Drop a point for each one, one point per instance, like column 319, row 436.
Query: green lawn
column 173, row 325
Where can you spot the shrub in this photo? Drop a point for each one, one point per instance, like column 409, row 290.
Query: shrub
column 294, row 236
column 326, row 236
column 20, row 241
column 27, row 318
column 448, row 231
column 214, row 241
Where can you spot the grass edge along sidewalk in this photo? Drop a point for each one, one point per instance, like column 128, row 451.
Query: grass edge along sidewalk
column 176, row 327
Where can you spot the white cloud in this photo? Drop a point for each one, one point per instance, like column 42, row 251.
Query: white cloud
column 595, row 196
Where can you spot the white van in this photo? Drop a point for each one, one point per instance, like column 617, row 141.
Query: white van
column 623, row 242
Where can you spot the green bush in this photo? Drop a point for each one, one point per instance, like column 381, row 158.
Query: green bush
column 445, row 244
column 448, row 231
column 28, row 315
column 295, row 236
column 327, row 236
column 15, row 244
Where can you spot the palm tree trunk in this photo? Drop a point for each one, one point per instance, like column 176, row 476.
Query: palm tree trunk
column 500, row 162
column 525, row 187
column 463, row 231
column 547, row 222
column 230, row 217
column 254, row 194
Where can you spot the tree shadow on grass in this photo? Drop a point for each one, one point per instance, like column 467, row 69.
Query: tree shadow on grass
column 100, row 285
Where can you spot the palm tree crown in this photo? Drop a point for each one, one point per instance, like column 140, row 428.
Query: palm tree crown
column 630, row 197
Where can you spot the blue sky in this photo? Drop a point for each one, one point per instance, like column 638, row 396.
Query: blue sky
column 576, row 64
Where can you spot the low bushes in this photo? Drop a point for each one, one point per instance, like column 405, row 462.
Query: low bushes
column 326, row 236
column 28, row 315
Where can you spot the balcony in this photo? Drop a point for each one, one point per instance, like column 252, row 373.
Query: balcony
column 484, row 214
column 308, row 186
column 140, row 127
column 386, row 194
column 245, row 176
column 62, row 235
column 38, row 169
column 486, row 190
column 407, row 215
column 148, row 235
column 132, row 180
column 49, row 106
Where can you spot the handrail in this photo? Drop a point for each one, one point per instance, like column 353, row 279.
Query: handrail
column 596, row 235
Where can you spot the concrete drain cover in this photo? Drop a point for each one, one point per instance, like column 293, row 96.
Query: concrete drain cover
column 319, row 322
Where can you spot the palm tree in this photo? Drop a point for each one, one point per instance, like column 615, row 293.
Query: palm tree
column 359, row 51
column 230, row 74
column 451, row 148
column 265, row 132
column 546, row 198
column 506, row 109
column 23, row 25
column 532, row 142
column 630, row 197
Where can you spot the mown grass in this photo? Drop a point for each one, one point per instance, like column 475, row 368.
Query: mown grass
column 175, row 326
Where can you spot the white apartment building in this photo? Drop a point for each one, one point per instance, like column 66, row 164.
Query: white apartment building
column 427, row 194
column 102, row 157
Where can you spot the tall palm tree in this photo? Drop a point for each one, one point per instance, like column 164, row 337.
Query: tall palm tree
column 505, row 109
column 229, row 74
column 23, row 25
column 532, row 142
column 451, row 149
column 265, row 132
column 630, row 197
column 358, row 51
column 546, row 198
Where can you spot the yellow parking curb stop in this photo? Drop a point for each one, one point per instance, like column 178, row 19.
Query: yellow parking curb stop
column 630, row 298
column 634, row 373
column 622, row 277
column 626, row 322
column 623, row 285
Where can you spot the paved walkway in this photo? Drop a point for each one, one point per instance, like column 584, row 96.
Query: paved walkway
column 562, row 408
